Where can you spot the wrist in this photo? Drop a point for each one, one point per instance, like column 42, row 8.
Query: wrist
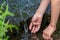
column 53, row 25
column 38, row 13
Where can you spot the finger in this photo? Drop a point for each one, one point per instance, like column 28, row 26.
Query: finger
column 30, row 26
column 36, row 23
column 37, row 28
column 45, row 36
column 32, row 31
column 51, row 38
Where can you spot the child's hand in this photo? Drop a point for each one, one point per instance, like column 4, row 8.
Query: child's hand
column 35, row 23
column 47, row 33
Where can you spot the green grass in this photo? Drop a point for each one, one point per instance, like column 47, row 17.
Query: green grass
column 4, row 26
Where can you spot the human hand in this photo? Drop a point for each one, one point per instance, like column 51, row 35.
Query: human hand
column 47, row 33
column 35, row 23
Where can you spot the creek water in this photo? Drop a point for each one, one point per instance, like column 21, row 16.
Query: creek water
column 25, row 34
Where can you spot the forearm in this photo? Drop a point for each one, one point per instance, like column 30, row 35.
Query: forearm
column 54, row 11
column 42, row 7
column 59, row 6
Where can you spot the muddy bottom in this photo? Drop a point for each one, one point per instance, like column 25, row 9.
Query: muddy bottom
column 38, row 36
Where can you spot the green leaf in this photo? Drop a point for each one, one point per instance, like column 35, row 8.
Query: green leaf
column 6, row 8
column 2, row 5
column 6, row 25
column 1, row 18
column 1, row 38
column 6, row 38
column 1, row 11
column 9, row 13
column 2, row 31
column 0, row 23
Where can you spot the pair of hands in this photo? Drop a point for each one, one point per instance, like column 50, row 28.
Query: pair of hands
column 35, row 26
